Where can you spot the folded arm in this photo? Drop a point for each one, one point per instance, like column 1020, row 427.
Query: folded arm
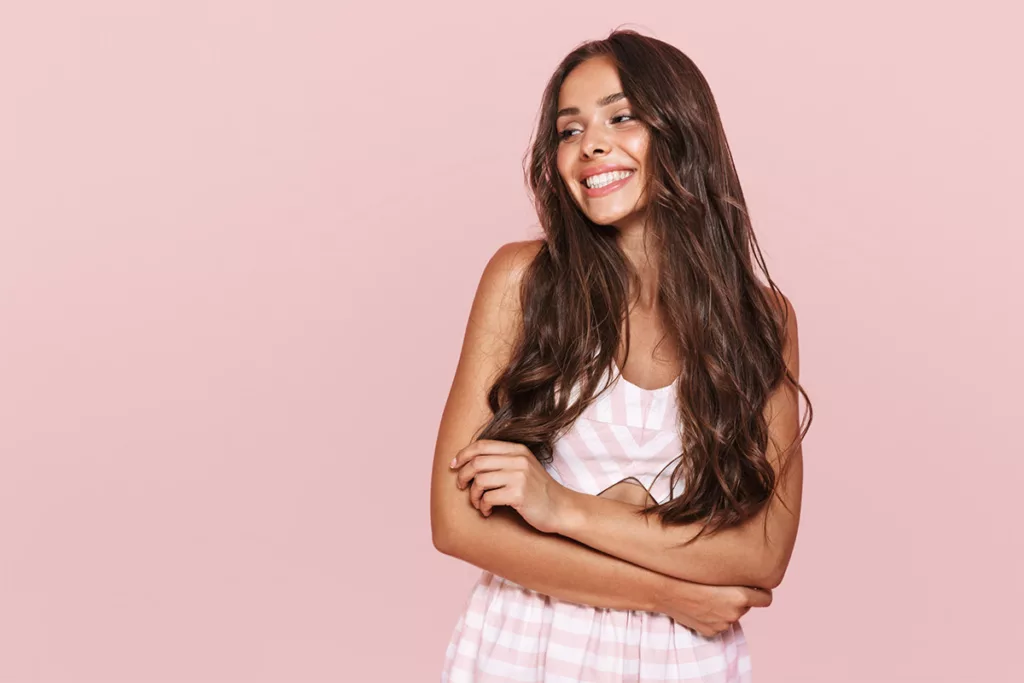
column 755, row 553
column 504, row 544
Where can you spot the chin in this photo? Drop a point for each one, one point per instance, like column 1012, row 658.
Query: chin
column 616, row 213
column 603, row 219
column 611, row 217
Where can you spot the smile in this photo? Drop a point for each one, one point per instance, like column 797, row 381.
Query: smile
column 605, row 183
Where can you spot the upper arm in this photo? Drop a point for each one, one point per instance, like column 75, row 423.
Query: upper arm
column 495, row 319
column 785, row 455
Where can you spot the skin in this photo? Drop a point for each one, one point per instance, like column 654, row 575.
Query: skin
column 755, row 553
column 596, row 127
column 556, row 552
column 592, row 135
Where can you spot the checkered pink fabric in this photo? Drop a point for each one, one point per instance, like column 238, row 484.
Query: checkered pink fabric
column 510, row 633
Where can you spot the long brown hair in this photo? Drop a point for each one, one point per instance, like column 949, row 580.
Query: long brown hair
column 575, row 293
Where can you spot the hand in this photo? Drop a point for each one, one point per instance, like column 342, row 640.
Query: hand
column 506, row 473
column 709, row 610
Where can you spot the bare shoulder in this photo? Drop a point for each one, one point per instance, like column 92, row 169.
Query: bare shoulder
column 791, row 351
column 507, row 267
column 495, row 314
column 497, row 305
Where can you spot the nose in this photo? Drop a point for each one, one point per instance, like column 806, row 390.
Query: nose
column 594, row 143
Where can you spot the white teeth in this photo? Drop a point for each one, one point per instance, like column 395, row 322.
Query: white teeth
column 602, row 179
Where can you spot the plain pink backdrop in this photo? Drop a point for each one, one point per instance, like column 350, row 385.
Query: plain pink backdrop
column 238, row 244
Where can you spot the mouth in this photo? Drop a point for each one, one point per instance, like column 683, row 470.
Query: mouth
column 605, row 183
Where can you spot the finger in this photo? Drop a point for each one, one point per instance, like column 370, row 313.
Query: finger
column 758, row 598
column 483, row 463
column 486, row 447
column 494, row 497
column 484, row 482
column 481, row 447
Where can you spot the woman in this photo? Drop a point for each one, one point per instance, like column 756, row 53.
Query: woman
column 627, row 508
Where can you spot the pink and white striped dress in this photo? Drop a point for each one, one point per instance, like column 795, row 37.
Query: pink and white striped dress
column 510, row 633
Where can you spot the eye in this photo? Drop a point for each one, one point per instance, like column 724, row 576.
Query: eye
column 567, row 133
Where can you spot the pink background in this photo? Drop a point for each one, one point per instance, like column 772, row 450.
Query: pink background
column 238, row 244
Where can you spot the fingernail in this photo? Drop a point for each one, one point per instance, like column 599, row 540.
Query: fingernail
column 452, row 463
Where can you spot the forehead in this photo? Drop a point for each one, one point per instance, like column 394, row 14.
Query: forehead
column 588, row 82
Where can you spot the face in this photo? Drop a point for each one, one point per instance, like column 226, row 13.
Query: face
column 602, row 148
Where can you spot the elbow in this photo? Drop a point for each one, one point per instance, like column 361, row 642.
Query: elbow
column 442, row 542
column 772, row 571
column 772, row 580
column 442, row 534
column 452, row 525
column 441, row 523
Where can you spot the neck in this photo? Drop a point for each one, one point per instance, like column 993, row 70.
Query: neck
column 635, row 241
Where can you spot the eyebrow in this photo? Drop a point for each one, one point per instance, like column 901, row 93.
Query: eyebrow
column 603, row 102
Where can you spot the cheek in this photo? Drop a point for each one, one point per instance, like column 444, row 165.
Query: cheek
column 564, row 168
column 635, row 145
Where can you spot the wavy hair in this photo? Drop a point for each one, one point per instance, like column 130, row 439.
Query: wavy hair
column 575, row 292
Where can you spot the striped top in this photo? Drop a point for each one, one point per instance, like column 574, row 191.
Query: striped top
column 510, row 633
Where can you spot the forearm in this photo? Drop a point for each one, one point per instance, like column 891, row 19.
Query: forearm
column 505, row 545
column 753, row 553
column 733, row 556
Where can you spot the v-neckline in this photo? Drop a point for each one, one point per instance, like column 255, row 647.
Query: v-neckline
column 656, row 391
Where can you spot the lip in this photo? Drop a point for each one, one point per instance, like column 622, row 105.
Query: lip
column 610, row 187
column 604, row 168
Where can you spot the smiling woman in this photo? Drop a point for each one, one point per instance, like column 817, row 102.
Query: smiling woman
column 600, row 121
column 623, row 525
